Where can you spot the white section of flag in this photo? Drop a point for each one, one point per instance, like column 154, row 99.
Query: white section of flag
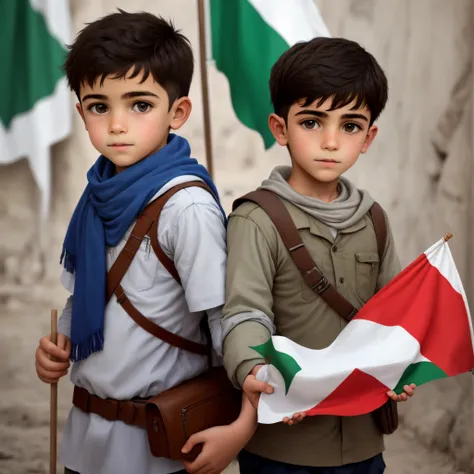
column 383, row 352
column 298, row 20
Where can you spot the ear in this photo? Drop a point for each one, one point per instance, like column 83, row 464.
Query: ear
column 371, row 134
column 81, row 113
column 277, row 126
column 180, row 112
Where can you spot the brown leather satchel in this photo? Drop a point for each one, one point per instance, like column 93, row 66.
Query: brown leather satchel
column 195, row 405
column 172, row 416
column 386, row 417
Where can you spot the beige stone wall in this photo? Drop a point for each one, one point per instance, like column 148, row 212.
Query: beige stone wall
column 420, row 167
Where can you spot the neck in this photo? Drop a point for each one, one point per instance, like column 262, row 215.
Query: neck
column 306, row 185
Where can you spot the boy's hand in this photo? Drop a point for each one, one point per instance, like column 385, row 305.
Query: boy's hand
column 409, row 391
column 50, row 370
column 296, row 418
column 253, row 387
column 221, row 444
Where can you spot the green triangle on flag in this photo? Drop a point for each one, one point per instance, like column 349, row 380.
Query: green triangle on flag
column 284, row 363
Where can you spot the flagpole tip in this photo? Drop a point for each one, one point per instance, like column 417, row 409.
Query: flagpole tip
column 447, row 237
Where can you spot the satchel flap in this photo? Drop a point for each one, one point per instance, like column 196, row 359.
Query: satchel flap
column 193, row 406
column 221, row 409
column 156, row 432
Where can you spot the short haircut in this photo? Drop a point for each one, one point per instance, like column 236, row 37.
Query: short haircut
column 120, row 41
column 328, row 67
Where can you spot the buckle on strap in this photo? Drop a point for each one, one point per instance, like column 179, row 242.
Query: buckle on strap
column 321, row 285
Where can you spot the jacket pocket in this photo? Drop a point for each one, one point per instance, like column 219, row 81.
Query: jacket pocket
column 367, row 270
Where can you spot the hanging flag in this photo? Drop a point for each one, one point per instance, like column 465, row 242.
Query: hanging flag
column 35, row 107
column 416, row 329
column 248, row 36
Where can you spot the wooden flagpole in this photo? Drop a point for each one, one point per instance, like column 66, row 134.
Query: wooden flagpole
column 205, row 87
column 53, row 413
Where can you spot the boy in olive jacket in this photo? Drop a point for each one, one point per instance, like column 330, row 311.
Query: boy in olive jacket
column 327, row 93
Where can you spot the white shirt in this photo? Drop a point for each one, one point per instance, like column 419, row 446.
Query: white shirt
column 133, row 363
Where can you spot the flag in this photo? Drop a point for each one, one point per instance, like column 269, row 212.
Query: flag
column 35, row 108
column 247, row 37
column 416, row 329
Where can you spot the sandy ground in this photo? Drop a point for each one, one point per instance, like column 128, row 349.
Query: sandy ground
column 24, row 407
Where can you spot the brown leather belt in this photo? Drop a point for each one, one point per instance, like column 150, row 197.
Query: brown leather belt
column 131, row 412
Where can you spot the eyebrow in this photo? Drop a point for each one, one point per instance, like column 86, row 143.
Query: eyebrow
column 320, row 114
column 127, row 95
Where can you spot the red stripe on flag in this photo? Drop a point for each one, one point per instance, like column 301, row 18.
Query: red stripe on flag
column 358, row 394
column 425, row 304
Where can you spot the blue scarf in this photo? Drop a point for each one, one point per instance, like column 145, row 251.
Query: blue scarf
column 108, row 206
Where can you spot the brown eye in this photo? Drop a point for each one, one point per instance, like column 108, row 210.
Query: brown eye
column 310, row 124
column 98, row 109
column 141, row 107
column 351, row 127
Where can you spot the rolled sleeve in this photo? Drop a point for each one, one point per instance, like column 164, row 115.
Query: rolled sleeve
column 248, row 319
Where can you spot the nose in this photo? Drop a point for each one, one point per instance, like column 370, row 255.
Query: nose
column 330, row 140
column 117, row 123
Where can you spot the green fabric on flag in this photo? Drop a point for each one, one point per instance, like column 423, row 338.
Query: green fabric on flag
column 419, row 373
column 245, row 48
column 287, row 365
column 29, row 74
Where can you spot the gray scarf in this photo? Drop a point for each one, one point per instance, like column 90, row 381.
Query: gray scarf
column 347, row 209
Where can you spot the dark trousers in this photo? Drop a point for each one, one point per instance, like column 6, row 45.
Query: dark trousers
column 253, row 464
column 68, row 471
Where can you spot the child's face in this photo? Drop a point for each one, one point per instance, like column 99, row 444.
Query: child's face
column 324, row 143
column 128, row 120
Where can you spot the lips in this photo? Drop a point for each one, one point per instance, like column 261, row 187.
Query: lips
column 327, row 161
column 120, row 144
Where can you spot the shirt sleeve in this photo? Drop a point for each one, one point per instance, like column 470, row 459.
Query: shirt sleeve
column 198, row 246
column 248, row 317
column 64, row 323
column 214, row 317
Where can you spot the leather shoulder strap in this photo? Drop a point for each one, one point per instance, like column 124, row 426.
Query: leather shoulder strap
column 153, row 211
column 158, row 331
column 283, row 222
column 147, row 223
column 380, row 227
column 125, row 257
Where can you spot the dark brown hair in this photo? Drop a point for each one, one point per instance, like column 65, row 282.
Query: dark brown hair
column 328, row 67
column 142, row 41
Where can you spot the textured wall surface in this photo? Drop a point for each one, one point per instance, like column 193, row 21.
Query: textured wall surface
column 419, row 168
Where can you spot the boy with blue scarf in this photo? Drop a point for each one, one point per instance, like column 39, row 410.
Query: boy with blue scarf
column 132, row 74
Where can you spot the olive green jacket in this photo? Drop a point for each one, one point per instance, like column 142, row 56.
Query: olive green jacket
column 265, row 295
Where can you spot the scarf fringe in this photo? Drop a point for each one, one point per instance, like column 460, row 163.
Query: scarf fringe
column 93, row 343
column 69, row 261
